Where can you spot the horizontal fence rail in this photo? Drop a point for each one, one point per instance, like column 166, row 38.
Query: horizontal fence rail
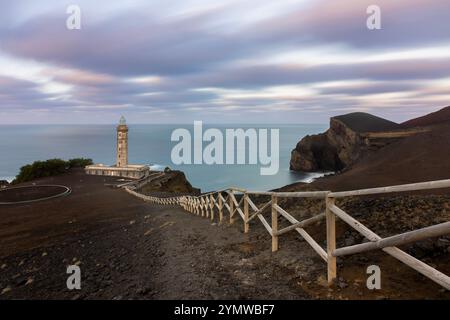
column 237, row 202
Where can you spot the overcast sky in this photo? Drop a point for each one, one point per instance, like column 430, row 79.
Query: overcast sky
column 266, row 61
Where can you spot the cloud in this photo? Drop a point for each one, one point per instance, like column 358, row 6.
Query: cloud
column 404, row 23
column 287, row 61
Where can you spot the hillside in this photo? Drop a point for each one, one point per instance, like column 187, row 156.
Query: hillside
column 342, row 144
column 352, row 137
column 438, row 117
column 422, row 157
column 366, row 122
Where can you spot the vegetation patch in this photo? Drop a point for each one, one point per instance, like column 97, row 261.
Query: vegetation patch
column 47, row 168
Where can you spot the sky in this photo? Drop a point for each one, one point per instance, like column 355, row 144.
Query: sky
column 231, row 61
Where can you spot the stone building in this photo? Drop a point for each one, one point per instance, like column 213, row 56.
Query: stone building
column 122, row 143
column 121, row 168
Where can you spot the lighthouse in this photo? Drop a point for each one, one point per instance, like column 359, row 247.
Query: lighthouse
column 122, row 143
column 122, row 168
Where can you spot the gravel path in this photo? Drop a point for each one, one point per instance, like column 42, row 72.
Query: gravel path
column 129, row 249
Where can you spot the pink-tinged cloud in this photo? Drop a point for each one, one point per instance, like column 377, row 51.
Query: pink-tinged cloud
column 192, row 48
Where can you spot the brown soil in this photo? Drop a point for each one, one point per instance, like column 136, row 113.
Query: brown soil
column 422, row 157
column 433, row 118
column 130, row 249
column 366, row 122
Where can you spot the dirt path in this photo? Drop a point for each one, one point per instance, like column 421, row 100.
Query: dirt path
column 129, row 249
column 162, row 253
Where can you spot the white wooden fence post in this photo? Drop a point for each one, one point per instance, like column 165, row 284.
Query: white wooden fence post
column 231, row 207
column 274, row 224
column 220, row 207
column 212, row 204
column 246, row 224
column 331, row 240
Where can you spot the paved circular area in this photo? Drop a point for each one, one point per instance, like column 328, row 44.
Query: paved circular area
column 26, row 194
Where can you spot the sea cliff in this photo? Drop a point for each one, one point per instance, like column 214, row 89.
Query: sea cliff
column 349, row 138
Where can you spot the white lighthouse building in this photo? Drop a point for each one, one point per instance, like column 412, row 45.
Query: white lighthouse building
column 121, row 168
column 122, row 143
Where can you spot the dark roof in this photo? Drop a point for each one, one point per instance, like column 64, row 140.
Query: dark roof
column 366, row 122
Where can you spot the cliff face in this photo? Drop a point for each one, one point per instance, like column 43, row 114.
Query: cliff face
column 349, row 137
column 352, row 136
column 333, row 150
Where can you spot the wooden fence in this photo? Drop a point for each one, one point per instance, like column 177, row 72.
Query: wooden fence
column 137, row 184
column 226, row 203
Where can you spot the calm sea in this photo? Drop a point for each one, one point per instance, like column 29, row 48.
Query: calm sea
column 148, row 144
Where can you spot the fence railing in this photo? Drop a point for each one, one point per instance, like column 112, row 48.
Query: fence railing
column 236, row 200
column 137, row 184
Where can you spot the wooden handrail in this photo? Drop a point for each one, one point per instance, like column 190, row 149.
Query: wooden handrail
column 302, row 224
column 397, row 240
column 265, row 206
column 398, row 188
column 206, row 204
column 302, row 232
column 407, row 259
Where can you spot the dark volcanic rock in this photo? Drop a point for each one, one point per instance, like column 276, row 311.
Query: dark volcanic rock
column 314, row 153
column 350, row 136
column 333, row 150
column 173, row 181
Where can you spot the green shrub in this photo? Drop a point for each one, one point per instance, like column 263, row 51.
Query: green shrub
column 51, row 167
column 79, row 162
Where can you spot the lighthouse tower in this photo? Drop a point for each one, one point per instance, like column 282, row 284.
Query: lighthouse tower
column 122, row 143
column 121, row 168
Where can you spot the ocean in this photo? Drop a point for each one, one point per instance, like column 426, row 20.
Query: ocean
column 148, row 144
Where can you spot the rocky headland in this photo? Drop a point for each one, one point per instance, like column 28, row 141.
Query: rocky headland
column 366, row 151
column 170, row 182
column 349, row 137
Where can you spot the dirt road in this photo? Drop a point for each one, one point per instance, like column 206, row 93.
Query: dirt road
column 129, row 249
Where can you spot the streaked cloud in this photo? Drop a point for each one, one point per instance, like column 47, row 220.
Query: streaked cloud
column 178, row 61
